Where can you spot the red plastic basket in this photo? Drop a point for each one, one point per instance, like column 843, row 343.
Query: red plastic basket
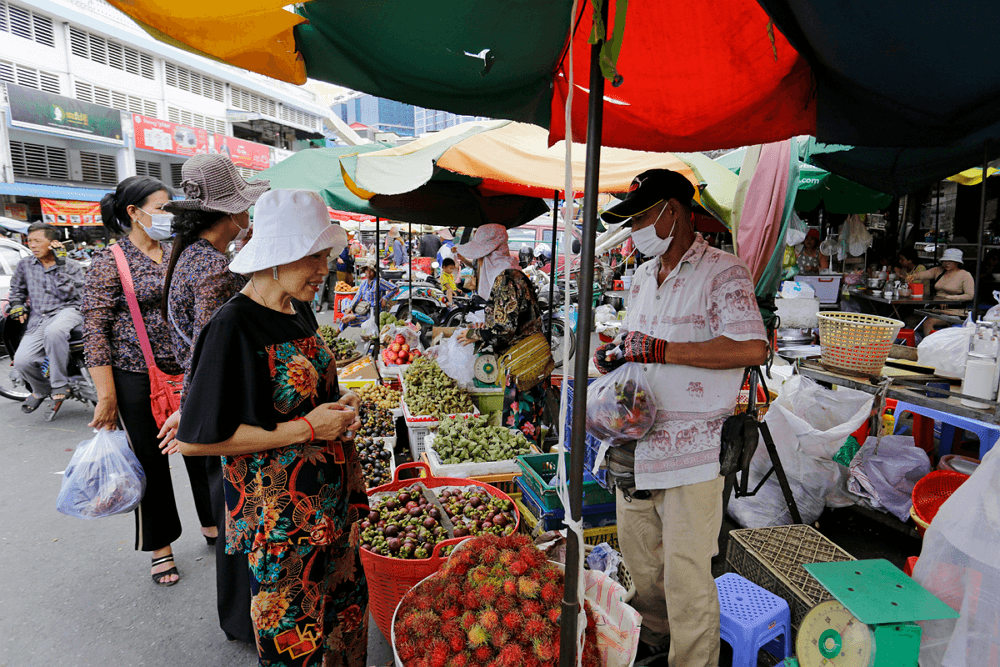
column 932, row 490
column 390, row 578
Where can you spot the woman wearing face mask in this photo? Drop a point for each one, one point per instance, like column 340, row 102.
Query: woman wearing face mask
column 134, row 213
column 198, row 283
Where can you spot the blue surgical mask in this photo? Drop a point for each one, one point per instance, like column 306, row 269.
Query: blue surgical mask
column 160, row 225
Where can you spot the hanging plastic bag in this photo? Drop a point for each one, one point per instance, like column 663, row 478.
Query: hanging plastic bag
column 369, row 329
column 103, row 478
column 797, row 231
column 620, row 406
column 993, row 314
column 456, row 360
column 946, row 351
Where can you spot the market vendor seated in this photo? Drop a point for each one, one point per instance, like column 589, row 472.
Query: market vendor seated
column 811, row 260
column 908, row 264
column 949, row 281
column 693, row 326
column 361, row 307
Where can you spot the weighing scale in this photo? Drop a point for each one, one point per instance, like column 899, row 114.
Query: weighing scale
column 486, row 369
column 871, row 622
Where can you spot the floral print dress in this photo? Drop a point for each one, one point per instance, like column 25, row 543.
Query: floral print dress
column 513, row 314
column 293, row 510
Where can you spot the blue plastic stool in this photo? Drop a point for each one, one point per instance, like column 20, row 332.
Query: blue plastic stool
column 752, row 618
column 988, row 433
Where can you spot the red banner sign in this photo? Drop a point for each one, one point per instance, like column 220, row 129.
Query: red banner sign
column 71, row 213
column 166, row 137
column 244, row 153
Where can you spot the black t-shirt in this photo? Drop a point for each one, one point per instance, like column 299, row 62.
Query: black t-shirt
column 253, row 365
column 429, row 245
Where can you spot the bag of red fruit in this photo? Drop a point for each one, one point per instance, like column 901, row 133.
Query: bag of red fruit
column 402, row 346
column 620, row 406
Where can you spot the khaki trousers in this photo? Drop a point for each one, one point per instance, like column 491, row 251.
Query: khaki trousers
column 668, row 543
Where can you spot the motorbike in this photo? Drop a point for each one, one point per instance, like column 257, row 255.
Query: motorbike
column 13, row 385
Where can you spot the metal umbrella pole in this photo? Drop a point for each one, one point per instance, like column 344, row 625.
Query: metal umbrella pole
column 595, row 114
column 982, row 226
column 553, row 263
column 409, row 268
column 378, row 301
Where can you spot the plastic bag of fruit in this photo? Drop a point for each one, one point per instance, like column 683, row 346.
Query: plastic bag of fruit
column 620, row 406
column 457, row 360
column 402, row 346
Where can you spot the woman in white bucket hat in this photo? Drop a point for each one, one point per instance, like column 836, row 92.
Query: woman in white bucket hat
column 266, row 388
column 950, row 282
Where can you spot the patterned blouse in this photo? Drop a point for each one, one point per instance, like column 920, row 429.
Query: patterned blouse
column 110, row 338
column 201, row 283
column 512, row 313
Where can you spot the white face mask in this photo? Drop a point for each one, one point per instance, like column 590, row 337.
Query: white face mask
column 242, row 234
column 160, row 225
column 648, row 242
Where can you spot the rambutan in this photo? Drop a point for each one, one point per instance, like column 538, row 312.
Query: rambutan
column 505, row 603
column 518, row 567
column 527, row 587
column 439, row 654
column 554, row 614
column 547, row 651
column 451, row 629
column 489, row 555
column 535, row 628
column 512, row 620
column 478, row 636
column 511, row 655
column 453, row 591
column 405, row 649
column 482, row 654
column 470, row 600
column 489, row 619
column 532, row 555
column 551, row 594
column 500, row 638
column 458, row 660
column 448, row 613
column 456, row 642
column 531, row 607
column 479, row 575
column 532, row 661
column 507, row 557
column 510, row 587
column 488, row 592
column 468, row 620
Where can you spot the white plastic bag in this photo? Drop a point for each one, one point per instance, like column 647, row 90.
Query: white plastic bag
column 456, row 360
column 620, row 406
column 797, row 231
column 884, row 471
column 993, row 314
column 369, row 329
column 808, row 424
column 946, row 351
column 960, row 564
column 103, row 478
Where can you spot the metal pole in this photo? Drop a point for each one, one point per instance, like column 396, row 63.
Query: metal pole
column 553, row 263
column 378, row 295
column 585, row 323
column 409, row 268
column 982, row 227
column 937, row 221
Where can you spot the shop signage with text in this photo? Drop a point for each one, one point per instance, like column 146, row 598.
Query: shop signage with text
column 38, row 110
column 71, row 213
column 152, row 134
column 244, row 153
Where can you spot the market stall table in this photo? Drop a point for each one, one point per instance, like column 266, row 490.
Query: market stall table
column 895, row 303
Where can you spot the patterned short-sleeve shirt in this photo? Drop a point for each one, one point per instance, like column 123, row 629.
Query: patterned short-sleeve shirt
column 708, row 294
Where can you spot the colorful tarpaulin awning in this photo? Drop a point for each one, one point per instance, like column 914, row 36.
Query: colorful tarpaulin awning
column 508, row 158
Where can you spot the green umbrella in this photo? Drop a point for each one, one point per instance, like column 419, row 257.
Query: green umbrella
column 817, row 185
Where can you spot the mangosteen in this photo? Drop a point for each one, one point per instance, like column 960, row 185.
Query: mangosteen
column 487, row 525
column 434, row 513
column 365, row 525
column 390, row 504
column 393, row 544
column 410, row 505
column 461, row 531
column 404, row 497
column 429, row 522
column 500, row 520
column 416, row 511
column 475, row 501
column 392, row 531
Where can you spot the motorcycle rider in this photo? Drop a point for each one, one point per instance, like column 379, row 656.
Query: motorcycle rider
column 45, row 292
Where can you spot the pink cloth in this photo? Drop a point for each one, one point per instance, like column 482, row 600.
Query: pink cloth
column 489, row 244
column 764, row 207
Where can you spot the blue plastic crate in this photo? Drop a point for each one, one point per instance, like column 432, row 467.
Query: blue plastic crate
column 594, row 516
column 593, row 444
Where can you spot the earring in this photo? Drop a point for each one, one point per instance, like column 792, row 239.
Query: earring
column 274, row 272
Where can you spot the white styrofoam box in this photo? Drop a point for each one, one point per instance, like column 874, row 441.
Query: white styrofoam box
column 827, row 287
column 798, row 313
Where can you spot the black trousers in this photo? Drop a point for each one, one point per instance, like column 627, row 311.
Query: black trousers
column 232, row 574
column 157, row 523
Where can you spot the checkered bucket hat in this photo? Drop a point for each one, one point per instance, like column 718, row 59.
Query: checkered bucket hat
column 211, row 183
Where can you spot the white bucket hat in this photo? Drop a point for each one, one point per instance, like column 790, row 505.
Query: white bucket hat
column 952, row 255
column 288, row 225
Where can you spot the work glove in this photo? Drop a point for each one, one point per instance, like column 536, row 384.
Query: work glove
column 643, row 349
column 17, row 311
column 603, row 364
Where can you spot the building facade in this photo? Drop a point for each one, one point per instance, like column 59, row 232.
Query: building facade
column 405, row 120
column 89, row 99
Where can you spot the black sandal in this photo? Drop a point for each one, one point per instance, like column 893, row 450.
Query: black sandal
column 31, row 404
column 158, row 577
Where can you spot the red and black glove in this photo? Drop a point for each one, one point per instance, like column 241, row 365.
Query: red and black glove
column 605, row 365
column 643, row 349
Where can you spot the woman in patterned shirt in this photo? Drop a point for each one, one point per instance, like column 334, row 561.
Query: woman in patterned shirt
column 198, row 282
column 265, row 384
column 134, row 213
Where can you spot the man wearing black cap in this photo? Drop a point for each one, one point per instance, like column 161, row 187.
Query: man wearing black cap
column 692, row 325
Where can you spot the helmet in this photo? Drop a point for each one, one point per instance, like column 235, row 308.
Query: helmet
column 524, row 255
column 543, row 250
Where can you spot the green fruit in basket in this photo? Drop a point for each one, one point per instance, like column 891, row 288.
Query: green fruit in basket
column 475, row 440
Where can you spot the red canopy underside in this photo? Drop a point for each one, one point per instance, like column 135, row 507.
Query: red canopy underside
column 690, row 89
